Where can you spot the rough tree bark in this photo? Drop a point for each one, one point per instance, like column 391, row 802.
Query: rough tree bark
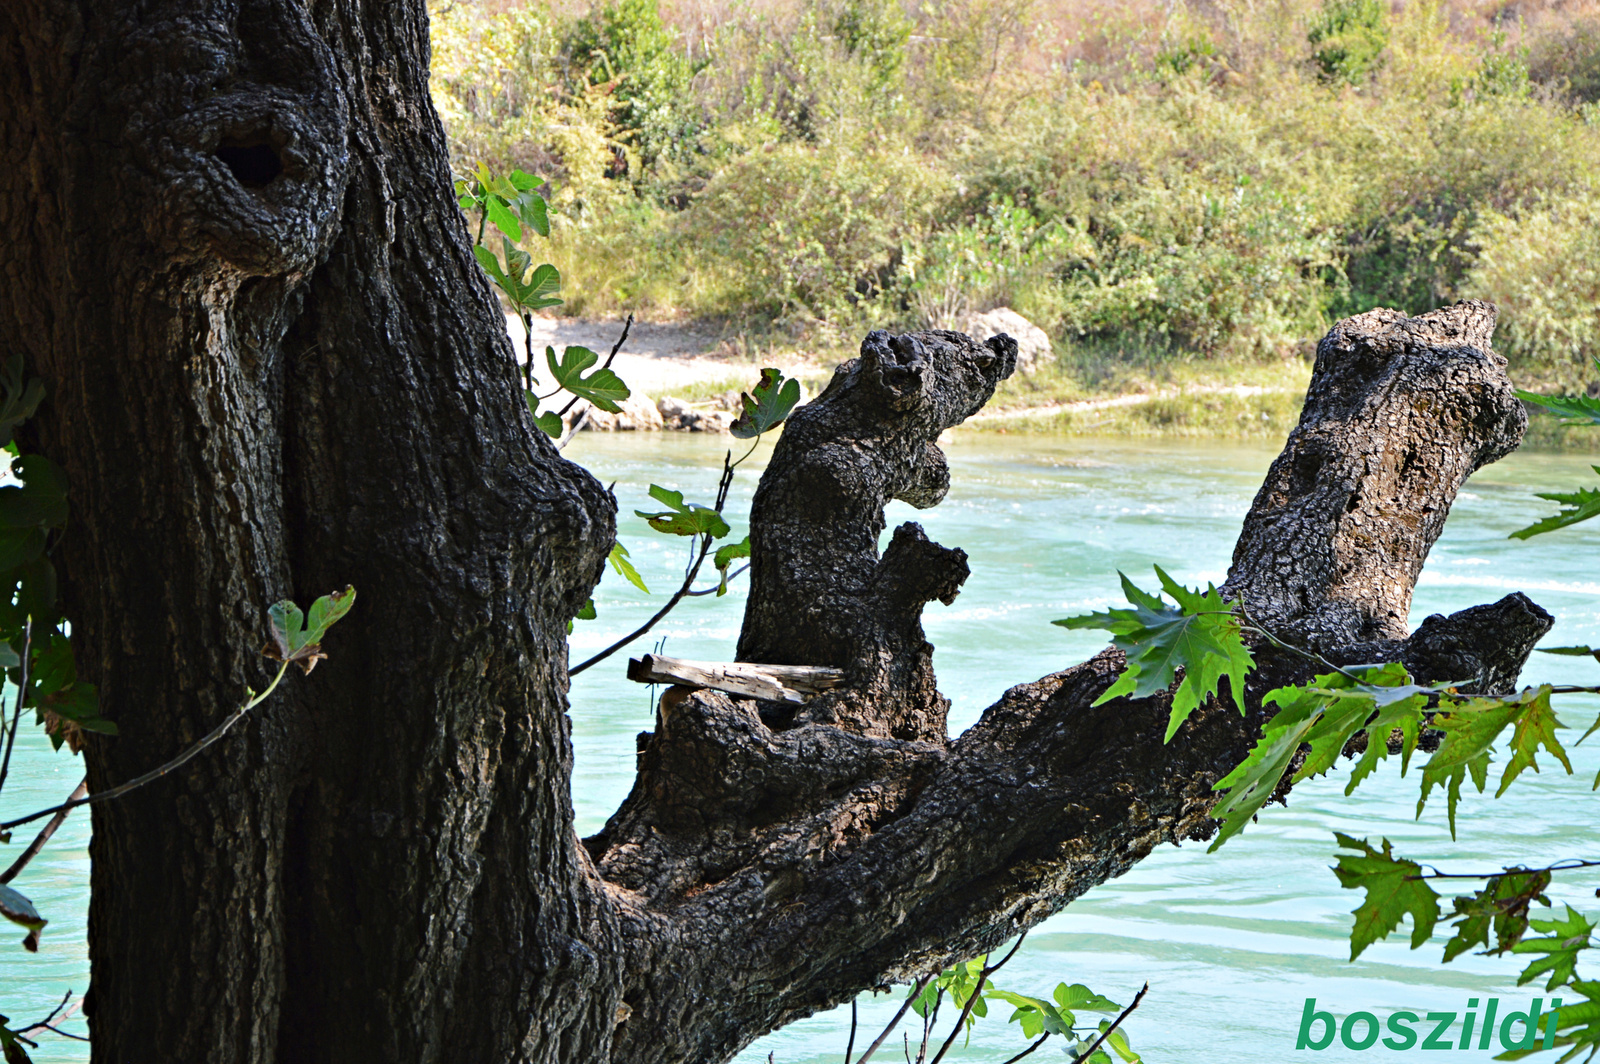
column 232, row 252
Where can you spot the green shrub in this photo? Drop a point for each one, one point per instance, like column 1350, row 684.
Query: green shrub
column 1176, row 184
column 812, row 232
column 1569, row 63
column 876, row 31
column 1348, row 38
column 626, row 43
column 1541, row 266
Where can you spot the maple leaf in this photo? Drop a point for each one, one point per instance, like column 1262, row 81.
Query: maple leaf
column 1392, row 894
column 1199, row 634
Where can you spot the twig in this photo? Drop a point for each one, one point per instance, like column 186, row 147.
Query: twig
column 63, row 1034
column 1309, row 655
column 966, row 1010
column 713, row 590
column 677, row 597
column 577, row 427
column 693, row 571
column 928, row 1022
column 1030, row 1049
column 46, row 1021
column 156, row 773
column 916, row 991
column 1087, row 1053
column 850, row 1046
column 22, row 688
column 44, row 835
column 1566, row 865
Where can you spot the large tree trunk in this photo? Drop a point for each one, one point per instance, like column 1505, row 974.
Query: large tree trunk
column 232, row 252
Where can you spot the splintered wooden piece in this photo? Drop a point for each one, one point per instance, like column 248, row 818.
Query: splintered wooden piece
column 775, row 683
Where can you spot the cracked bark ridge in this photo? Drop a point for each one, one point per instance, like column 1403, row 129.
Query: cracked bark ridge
column 778, row 868
column 820, row 594
column 1482, row 648
column 1399, row 413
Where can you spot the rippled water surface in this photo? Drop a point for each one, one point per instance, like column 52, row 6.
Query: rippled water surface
column 1232, row 943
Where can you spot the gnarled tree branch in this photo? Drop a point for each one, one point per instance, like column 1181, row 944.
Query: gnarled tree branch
column 778, row 864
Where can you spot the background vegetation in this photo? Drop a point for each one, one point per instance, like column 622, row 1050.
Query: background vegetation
column 1212, row 181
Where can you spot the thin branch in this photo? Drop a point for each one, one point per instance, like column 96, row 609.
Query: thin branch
column 577, row 427
column 1030, row 1049
column 713, row 590
column 677, row 597
column 916, row 991
column 983, row 977
column 1309, row 655
column 22, row 688
column 1566, row 865
column 1086, row 1054
column 850, row 1046
column 156, row 773
column 63, row 1034
column 928, row 1022
column 528, row 379
column 46, row 1021
column 44, row 835
column 698, row 559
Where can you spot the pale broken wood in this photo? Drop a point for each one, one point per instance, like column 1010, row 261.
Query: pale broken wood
column 775, row 683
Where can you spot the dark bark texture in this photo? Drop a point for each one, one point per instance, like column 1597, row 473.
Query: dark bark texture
column 777, row 865
column 274, row 367
column 819, row 592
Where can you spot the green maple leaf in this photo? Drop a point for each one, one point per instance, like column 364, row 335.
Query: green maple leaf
column 1391, row 894
column 1568, row 936
column 1576, row 506
column 1535, row 727
column 1470, row 728
column 1250, row 784
column 1585, row 1014
column 1572, row 409
column 1199, row 634
column 1502, row 907
column 1323, row 715
column 1572, row 652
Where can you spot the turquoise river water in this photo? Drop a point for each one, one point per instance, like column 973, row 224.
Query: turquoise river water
column 1231, row 943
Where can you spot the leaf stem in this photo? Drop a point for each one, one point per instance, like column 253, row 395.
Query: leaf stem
column 43, row 837
column 156, row 773
column 1567, row 865
column 916, row 992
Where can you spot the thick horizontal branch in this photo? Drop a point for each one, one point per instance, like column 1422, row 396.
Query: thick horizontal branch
column 777, row 865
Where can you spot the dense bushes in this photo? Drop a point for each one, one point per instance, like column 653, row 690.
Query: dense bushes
column 1162, row 182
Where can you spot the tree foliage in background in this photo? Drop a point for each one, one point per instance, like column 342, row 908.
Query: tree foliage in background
column 1348, row 38
column 1194, row 182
